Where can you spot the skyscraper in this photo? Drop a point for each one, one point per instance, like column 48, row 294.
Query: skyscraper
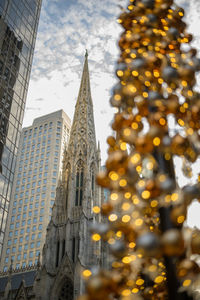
column 18, row 28
column 39, row 162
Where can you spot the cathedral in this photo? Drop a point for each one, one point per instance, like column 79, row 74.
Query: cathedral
column 68, row 248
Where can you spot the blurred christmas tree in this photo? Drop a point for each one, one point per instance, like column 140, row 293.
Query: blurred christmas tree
column 154, row 254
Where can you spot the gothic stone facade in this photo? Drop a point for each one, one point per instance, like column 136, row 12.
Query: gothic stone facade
column 68, row 248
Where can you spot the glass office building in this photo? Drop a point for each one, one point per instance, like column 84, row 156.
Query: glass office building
column 18, row 28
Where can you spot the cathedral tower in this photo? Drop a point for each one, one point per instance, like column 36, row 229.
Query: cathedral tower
column 68, row 248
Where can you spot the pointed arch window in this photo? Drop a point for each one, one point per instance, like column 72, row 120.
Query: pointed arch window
column 92, row 176
column 68, row 174
column 79, row 183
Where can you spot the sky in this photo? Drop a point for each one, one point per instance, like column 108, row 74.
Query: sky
column 66, row 29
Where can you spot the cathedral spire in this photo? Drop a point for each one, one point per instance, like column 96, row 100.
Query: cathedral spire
column 83, row 122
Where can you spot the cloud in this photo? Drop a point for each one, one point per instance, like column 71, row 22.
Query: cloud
column 39, row 99
column 66, row 29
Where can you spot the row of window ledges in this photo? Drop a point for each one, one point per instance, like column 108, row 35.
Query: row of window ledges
column 24, row 267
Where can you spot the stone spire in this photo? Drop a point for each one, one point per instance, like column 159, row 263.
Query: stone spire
column 83, row 121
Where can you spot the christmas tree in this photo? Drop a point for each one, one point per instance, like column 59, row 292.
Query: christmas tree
column 157, row 119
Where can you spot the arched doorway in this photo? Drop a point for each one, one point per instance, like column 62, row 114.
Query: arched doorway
column 66, row 292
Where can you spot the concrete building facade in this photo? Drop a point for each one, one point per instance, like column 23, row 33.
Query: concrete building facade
column 38, row 167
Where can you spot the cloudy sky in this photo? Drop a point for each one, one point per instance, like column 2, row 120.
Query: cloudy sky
column 66, row 29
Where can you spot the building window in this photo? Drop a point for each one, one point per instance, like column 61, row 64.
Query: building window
column 79, row 183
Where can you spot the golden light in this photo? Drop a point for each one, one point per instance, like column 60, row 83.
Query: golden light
column 112, row 217
column 86, row 273
column 126, row 218
column 96, row 237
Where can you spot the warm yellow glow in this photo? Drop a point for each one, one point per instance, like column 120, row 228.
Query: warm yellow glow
column 154, row 203
column 126, row 292
column 130, row 7
column 96, row 237
column 120, row 73
column 123, row 146
column 141, row 183
column 156, row 141
column 132, row 245
column 174, row 197
column 181, row 122
column 135, row 291
column 135, row 199
column 127, row 131
column 122, row 182
column 160, row 80
column 146, row 194
column 126, row 206
column 138, row 169
column 135, row 158
column 126, row 218
column 112, row 217
column 138, row 222
column 114, row 196
column 113, row 176
column 184, row 83
column 145, row 94
column 159, row 279
column 131, row 88
column 162, row 178
column 152, row 268
column 96, row 209
column 135, row 73
column 162, row 121
column 87, row 273
column 187, row 282
column 156, row 73
column 148, row 74
column 181, row 219
column 119, row 234
column 147, row 83
column 168, row 198
column 190, row 131
column 126, row 259
column 127, row 195
column 190, row 93
column 133, row 55
column 117, row 97
column 150, row 165
column 140, row 281
column 111, row 241
column 134, row 125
